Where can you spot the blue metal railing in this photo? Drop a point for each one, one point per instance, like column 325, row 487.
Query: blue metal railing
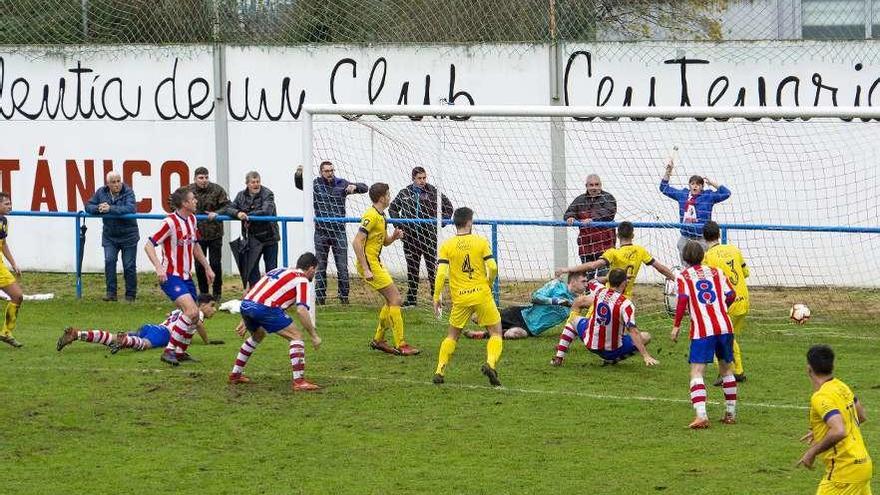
column 492, row 223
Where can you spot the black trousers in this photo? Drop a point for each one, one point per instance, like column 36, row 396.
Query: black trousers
column 213, row 250
column 415, row 248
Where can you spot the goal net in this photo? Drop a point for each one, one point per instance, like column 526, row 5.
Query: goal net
column 803, row 208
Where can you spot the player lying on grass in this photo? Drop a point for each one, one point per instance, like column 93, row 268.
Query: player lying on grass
column 467, row 259
column 263, row 312
column 148, row 336
column 628, row 257
column 707, row 294
column 610, row 332
column 550, row 307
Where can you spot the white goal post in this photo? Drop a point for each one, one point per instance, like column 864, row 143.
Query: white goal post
column 812, row 173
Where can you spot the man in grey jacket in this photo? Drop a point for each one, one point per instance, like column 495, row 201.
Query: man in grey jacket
column 256, row 200
column 119, row 234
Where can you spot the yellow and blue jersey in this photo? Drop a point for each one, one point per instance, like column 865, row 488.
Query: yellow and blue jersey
column 373, row 225
column 466, row 255
column 630, row 258
column 848, row 460
column 729, row 259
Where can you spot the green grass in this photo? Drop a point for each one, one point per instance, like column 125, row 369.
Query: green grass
column 83, row 421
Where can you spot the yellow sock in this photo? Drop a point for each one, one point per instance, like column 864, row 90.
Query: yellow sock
column 383, row 324
column 447, row 348
column 10, row 320
column 396, row 323
column 493, row 350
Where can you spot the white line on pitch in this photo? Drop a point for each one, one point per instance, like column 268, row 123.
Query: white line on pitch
column 570, row 393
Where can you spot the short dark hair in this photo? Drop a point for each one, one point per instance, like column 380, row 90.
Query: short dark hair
column 205, row 298
column 200, row 171
column 821, row 359
column 711, row 231
column 378, row 190
column 693, row 252
column 461, row 216
column 306, row 261
column 616, row 277
column 418, row 170
column 5, row 195
column 325, row 162
column 696, row 178
column 574, row 275
column 179, row 196
column 625, row 231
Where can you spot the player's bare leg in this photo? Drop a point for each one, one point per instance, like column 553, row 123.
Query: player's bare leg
column 447, row 349
column 698, row 397
column 493, row 354
column 395, row 321
column 16, row 296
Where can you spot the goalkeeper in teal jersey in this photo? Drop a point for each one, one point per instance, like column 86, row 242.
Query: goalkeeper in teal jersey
column 549, row 308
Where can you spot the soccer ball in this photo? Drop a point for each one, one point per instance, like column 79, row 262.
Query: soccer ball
column 799, row 313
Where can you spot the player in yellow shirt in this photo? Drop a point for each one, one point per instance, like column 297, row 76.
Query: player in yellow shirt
column 8, row 281
column 368, row 243
column 835, row 416
column 729, row 259
column 467, row 259
column 627, row 256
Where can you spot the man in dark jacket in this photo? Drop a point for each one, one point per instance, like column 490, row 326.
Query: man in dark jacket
column 118, row 234
column 256, row 200
column 211, row 199
column 419, row 200
column 595, row 205
column 329, row 202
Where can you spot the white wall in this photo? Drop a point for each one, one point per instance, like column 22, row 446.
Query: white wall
column 767, row 178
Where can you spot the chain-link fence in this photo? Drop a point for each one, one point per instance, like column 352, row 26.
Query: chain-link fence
column 290, row 22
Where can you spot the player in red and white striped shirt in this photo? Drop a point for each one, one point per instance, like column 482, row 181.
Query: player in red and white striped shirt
column 178, row 237
column 610, row 332
column 262, row 312
column 706, row 293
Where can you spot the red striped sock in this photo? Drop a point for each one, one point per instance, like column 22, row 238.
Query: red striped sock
column 179, row 329
column 96, row 336
column 297, row 353
column 244, row 353
column 133, row 342
column 568, row 334
column 698, row 396
column 728, row 384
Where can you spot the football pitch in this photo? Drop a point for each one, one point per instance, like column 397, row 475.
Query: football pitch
column 85, row 421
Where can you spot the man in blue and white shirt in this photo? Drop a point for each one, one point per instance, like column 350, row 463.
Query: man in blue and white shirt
column 550, row 307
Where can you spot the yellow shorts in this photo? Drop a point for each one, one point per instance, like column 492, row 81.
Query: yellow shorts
column 381, row 277
column 6, row 277
column 827, row 487
column 486, row 311
column 739, row 323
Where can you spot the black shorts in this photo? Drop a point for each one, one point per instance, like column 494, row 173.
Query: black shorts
column 512, row 317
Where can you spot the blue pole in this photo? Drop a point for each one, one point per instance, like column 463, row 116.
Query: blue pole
column 496, row 287
column 724, row 236
column 284, row 243
column 76, row 235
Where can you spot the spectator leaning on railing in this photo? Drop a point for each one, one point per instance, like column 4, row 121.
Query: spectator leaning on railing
column 257, row 200
column 595, row 205
column 329, row 201
column 119, row 234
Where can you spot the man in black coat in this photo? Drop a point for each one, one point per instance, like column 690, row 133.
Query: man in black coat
column 419, row 200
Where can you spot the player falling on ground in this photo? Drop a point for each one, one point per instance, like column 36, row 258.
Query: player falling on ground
column 8, row 280
column 610, row 332
column 706, row 293
column 178, row 237
column 148, row 336
column 467, row 260
column 628, row 257
column 368, row 243
column 263, row 312
column 835, row 416
column 550, row 307
column 729, row 259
